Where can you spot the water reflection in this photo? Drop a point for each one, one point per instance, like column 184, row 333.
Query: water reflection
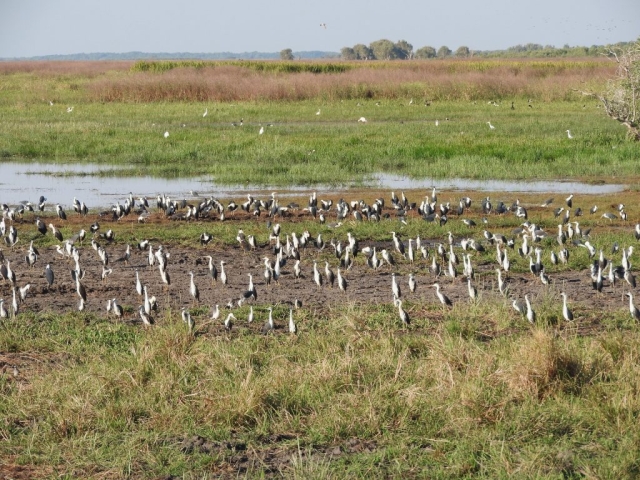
column 21, row 182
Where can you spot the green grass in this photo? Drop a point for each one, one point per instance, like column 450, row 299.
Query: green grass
column 438, row 400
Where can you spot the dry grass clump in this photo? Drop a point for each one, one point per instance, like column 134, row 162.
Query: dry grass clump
column 52, row 68
column 391, row 80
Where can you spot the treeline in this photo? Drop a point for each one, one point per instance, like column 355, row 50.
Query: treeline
column 402, row 50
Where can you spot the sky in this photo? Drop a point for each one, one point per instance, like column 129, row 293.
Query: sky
column 49, row 27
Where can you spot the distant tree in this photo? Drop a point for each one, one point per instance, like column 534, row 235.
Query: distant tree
column 404, row 49
column 444, row 52
column 348, row 53
column 362, row 52
column 383, row 49
column 286, row 54
column 426, row 52
column 463, row 52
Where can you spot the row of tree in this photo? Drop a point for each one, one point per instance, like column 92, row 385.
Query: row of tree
column 402, row 50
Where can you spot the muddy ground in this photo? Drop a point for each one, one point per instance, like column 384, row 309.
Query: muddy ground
column 364, row 284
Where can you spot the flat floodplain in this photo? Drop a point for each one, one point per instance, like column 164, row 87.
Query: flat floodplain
column 474, row 390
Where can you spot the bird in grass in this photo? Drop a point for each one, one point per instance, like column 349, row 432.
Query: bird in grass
column 444, row 300
column 261, row 131
column 404, row 316
column 144, row 316
column 186, row 318
column 166, row 134
column 635, row 313
column 491, row 127
column 566, row 313
column 292, row 326
column 206, row 111
column 193, row 289
column 362, row 120
column 531, row 314
column 228, row 322
column 569, row 136
column 269, row 325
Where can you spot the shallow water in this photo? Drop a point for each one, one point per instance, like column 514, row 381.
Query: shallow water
column 20, row 182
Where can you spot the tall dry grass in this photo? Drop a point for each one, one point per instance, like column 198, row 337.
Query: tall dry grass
column 56, row 68
column 436, row 80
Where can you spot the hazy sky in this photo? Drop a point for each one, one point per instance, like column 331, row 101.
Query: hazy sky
column 45, row 27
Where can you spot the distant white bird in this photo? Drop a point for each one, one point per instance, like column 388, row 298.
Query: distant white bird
column 318, row 112
column 437, row 123
column 362, row 120
column 69, row 109
column 50, row 103
column 166, row 134
column 569, row 134
column 206, row 110
column 491, row 126
column 261, row 131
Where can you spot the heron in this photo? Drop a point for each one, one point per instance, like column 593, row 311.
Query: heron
column 404, row 316
column 329, row 275
column 473, row 292
column 193, row 289
column 569, row 136
column 412, row 283
column 186, row 318
column 116, row 309
column 317, row 278
column 491, row 127
column 293, row 329
column 444, row 300
column 342, row 282
column 3, row 311
column 166, row 134
column 206, row 111
column 635, row 313
column 566, row 313
column 81, row 291
column 40, row 225
column 147, row 320
column 269, row 325
column 223, row 274
column 395, row 287
column 23, row 291
column 14, row 304
column 531, row 314
column 60, row 212
column 48, row 275
column 362, row 120
column 250, row 316
column 228, row 322
column 261, row 131
column 138, row 283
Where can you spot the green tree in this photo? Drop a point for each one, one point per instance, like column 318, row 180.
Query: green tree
column 348, row 53
column 463, row 52
column 444, row 52
column 362, row 52
column 426, row 52
column 286, row 54
column 383, row 49
column 404, row 49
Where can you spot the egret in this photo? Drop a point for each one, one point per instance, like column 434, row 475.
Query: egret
column 569, row 135
column 206, row 111
column 166, row 134
column 531, row 315
column 362, row 120
column 412, row 283
column 269, row 326
column 342, row 282
column 186, row 318
column 395, row 288
column 261, row 131
column 292, row 326
column 228, row 322
column 144, row 316
column 193, row 289
column 491, row 127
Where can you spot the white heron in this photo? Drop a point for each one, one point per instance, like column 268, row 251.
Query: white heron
column 491, row 127
column 569, row 134
column 166, row 134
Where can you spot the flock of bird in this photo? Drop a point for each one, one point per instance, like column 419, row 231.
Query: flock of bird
column 93, row 255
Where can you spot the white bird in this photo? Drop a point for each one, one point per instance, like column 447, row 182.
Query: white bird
column 69, row 109
column 566, row 313
column 228, row 322
column 318, row 112
column 491, row 127
column 261, row 131
column 166, row 134
column 437, row 123
column 362, row 120
column 531, row 315
column 216, row 313
column 292, row 326
column 206, row 110
column 569, row 134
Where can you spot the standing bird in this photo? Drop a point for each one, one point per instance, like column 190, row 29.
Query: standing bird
column 342, row 282
column 292, row 326
column 223, row 274
column 317, row 278
column 395, row 288
column 491, row 127
column 404, row 316
column 531, row 315
column 412, row 283
column 566, row 313
column 186, row 318
column 569, row 134
column 193, row 289
column 444, row 300
column 635, row 313
column 228, row 322
column 48, row 275
column 144, row 316
column 269, row 325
